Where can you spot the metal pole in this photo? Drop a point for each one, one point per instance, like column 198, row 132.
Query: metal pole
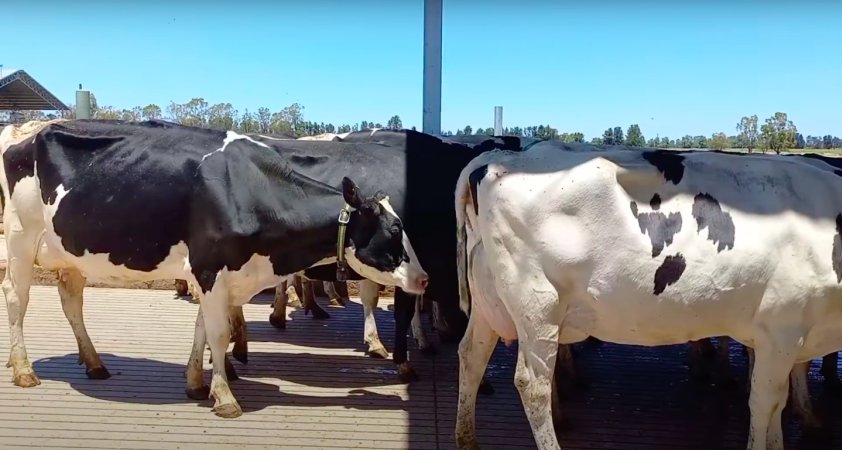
column 432, row 67
column 498, row 120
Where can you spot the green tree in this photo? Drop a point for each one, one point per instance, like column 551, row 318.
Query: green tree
column 248, row 124
column 222, row 116
column 468, row 130
column 394, row 123
column 264, row 119
column 634, row 137
column 718, row 141
column 618, row 136
column 608, row 137
column 150, row 112
column 779, row 133
column 748, row 132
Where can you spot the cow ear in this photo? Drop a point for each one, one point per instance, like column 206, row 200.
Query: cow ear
column 351, row 193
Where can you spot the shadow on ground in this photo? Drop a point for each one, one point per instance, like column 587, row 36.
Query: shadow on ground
column 152, row 382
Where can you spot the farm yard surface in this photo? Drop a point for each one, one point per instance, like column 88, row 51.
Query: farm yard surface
column 311, row 386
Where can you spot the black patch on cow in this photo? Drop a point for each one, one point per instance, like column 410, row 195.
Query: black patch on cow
column 669, row 272
column 660, row 227
column 655, row 203
column 837, row 249
column 473, row 179
column 18, row 164
column 669, row 163
column 708, row 213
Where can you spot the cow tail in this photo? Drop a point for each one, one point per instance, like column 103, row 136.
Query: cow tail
column 464, row 205
column 463, row 200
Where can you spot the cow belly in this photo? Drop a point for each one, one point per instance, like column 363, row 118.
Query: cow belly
column 629, row 316
column 253, row 277
column 485, row 301
column 97, row 267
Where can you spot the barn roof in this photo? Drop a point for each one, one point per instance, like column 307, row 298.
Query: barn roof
column 19, row 91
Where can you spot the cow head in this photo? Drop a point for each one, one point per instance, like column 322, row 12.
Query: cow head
column 377, row 247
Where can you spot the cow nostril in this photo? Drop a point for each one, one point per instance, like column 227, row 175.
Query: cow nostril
column 423, row 281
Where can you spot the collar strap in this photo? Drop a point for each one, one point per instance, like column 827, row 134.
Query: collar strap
column 341, row 264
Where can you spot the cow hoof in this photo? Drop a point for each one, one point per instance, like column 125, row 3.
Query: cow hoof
column 429, row 350
column 200, row 393
column 228, row 410
column 406, row 373
column 338, row 302
column 485, row 387
column 279, row 323
column 26, row 380
column 467, row 443
column 98, row 373
column 378, row 353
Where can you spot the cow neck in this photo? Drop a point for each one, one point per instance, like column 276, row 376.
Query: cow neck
column 341, row 264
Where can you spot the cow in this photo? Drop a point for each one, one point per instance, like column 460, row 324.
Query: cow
column 369, row 294
column 652, row 247
column 424, row 207
column 104, row 200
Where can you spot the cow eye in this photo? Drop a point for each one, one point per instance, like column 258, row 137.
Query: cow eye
column 395, row 229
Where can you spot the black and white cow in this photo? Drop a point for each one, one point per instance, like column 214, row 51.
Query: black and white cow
column 551, row 251
column 419, row 173
column 105, row 200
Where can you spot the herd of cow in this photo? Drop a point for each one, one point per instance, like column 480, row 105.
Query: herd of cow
column 540, row 242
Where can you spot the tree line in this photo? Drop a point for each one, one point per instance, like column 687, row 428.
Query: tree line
column 777, row 133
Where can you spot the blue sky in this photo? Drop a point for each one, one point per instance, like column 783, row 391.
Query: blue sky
column 579, row 66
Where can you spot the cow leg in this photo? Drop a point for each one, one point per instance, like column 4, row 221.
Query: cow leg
column 196, row 387
column 424, row 344
column 774, row 357
column 369, row 295
column 239, row 334
column 71, row 283
column 533, row 379
column 310, row 301
column 21, row 246
column 802, row 404
column 332, row 291
column 215, row 312
column 404, row 309
column 475, row 350
column 278, row 317
column 830, row 372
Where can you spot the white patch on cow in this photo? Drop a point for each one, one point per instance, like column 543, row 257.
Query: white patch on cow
column 231, row 136
column 374, row 130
